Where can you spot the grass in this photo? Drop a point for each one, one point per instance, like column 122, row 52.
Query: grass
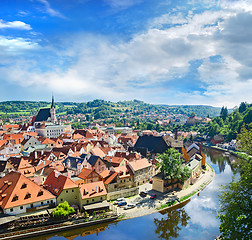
column 121, row 216
column 168, row 204
column 187, row 196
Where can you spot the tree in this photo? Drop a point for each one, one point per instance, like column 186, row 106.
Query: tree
column 171, row 165
column 224, row 113
column 63, row 209
column 242, row 107
column 236, row 204
column 245, row 138
column 235, row 199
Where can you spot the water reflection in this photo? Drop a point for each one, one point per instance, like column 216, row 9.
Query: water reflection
column 196, row 219
column 220, row 159
column 170, row 225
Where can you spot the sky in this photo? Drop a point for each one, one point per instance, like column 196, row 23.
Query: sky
column 161, row 52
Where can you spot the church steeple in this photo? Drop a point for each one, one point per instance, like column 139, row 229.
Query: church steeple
column 52, row 105
column 52, row 112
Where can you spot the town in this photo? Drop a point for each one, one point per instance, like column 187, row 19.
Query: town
column 45, row 163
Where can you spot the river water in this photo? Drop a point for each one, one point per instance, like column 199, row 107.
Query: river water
column 195, row 219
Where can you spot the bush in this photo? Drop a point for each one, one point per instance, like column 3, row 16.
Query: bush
column 63, row 209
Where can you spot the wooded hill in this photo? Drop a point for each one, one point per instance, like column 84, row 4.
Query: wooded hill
column 104, row 109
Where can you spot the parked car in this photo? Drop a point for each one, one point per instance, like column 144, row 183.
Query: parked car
column 129, row 206
column 153, row 196
column 119, row 200
column 122, row 203
column 143, row 193
column 151, row 181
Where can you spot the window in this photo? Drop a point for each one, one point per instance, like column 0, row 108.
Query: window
column 47, row 201
column 24, row 185
column 11, row 210
column 66, row 191
column 28, row 195
column 15, row 198
column 32, row 205
column 42, row 203
column 87, row 201
column 61, row 200
column 40, row 193
column 92, row 200
column 72, row 190
column 101, row 198
column 51, row 201
column 21, row 207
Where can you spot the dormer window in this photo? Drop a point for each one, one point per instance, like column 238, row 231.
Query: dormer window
column 24, row 186
column 28, row 195
column 40, row 193
column 15, row 198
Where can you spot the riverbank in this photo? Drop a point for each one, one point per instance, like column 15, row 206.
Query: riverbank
column 53, row 228
column 146, row 205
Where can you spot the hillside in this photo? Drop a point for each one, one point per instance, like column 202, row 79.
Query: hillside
column 104, row 109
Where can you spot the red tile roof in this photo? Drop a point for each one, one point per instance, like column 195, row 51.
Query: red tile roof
column 56, row 182
column 91, row 190
column 17, row 190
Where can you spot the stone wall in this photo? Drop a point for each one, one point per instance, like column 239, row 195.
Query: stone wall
column 123, row 193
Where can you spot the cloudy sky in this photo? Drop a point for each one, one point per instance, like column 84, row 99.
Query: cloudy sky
column 162, row 51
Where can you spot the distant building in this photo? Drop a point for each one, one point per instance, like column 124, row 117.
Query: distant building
column 46, row 123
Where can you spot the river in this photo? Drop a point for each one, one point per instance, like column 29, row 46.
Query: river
column 195, row 219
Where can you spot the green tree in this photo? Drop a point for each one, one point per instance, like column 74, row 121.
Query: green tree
column 63, row 209
column 235, row 199
column 245, row 138
column 171, row 165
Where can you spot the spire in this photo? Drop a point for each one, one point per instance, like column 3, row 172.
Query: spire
column 52, row 106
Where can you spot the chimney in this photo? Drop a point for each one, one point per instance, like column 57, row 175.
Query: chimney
column 56, row 174
column 36, row 154
column 176, row 133
column 96, row 189
column 99, row 189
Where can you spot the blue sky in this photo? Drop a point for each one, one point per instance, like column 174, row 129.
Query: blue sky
column 169, row 52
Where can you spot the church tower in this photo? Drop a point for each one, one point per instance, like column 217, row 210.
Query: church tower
column 52, row 111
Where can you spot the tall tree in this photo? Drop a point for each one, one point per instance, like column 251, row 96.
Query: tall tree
column 171, row 165
column 235, row 199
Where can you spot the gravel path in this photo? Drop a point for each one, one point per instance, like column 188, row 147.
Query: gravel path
column 146, row 206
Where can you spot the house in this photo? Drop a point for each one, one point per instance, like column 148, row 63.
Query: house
column 62, row 187
column 150, row 145
column 95, row 162
column 141, row 169
column 30, row 142
column 89, row 175
column 162, row 183
column 74, row 165
column 5, row 168
column 115, row 161
column 92, row 193
column 18, row 195
column 22, row 165
column 217, row 139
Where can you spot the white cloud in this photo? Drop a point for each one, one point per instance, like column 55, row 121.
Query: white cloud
column 49, row 10
column 140, row 67
column 15, row 24
column 8, row 44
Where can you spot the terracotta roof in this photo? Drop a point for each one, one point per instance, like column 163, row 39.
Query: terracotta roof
column 56, row 182
column 17, row 190
column 97, row 152
column 123, row 171
column 115, row 161
column 85, row 172
column 111, row 178
column 139, row 164
column 91, row 190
